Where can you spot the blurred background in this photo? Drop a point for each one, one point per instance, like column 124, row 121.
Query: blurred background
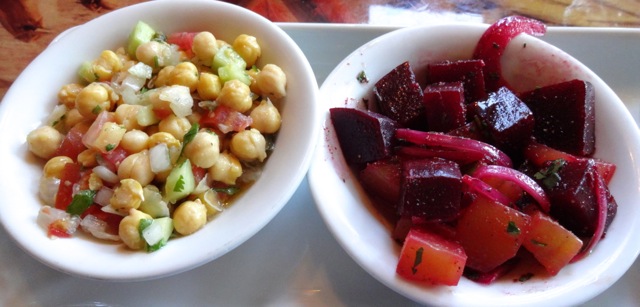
column 28, row 26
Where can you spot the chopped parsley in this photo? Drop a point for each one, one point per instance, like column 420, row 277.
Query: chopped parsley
column 549, row 175
column 417, row 261
column 159, row 37
column 80, row 202
column 96, row 110
column 524, row 277
column 538, row 243
column 179, row 187
column 227, row 190
column 189, row 136
column 110, row 147
column 512, row 228
column 362, row 77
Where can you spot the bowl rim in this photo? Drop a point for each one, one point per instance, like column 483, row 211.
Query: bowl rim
column 301, row 154
column 346, row 234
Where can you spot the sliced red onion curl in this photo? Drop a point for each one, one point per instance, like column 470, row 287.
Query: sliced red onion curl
column 601, row 198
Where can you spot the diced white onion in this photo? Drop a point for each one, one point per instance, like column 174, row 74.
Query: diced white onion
column 97, row 228
column 202, row 186
column 129, row 95
column 179, row 98
column 48, row 189
column 103, row 196
column 141, row 70
column 57, row 113
column 109, row 209
column 49, row 215
column 159, row 158
column 106, row 174
column 153, row 233
column 133, row 82
column 212, row 203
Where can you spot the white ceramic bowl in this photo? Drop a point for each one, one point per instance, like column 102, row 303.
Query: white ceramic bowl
column 33, row 96
column 366, row 237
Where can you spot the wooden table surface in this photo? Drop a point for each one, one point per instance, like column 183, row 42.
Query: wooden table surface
column 28, row 26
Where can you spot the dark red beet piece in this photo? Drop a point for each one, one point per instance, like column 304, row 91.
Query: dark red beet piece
column 565, row 116
column 469, row 72
column 494, row 41
column 399, row 97
column 430, row 188
column 444, row 106
column 364, row 136
column 507, row 120
column 573, row 202
column 382, row 179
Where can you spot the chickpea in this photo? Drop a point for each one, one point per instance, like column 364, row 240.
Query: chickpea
column 87, row 158
column 109, row 137
column 162, row 79
column 106, row 65
column 128, row 229
column 92, row 100
column 71, row 118
column 136, row 166
column 227, row 169
column 172, row 143
column 153, row 53
column 134, row 141
column 266, row 117
column 249, row 145
column 272, row 81
column 248, row 48
column 174, row 125
column 189, row 217
column 204, row 149
column 53, row 168
column 253, row 75
column 128, row 195
column 44, row 141
column 95, row 182
column 209, row 86
column 186, row 74
column 236, row 95
column 126, row 115
column 67, row 94
column 205, row 47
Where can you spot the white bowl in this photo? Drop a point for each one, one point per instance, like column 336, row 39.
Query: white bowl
column 33, row 96
column 366, row 237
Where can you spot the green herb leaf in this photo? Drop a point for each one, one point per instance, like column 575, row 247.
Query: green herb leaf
column 512, row 228
column 525, row 277
column 179, row 184
column 80, row 202
column 227, row 190
column 362, row 77
column 418, row 260
column 110, row 147
column 549, row 175
column 538, row 243
column 143, row 224
column 156, row 61
column 96, row 110
column 189, row 136
column 159, row 37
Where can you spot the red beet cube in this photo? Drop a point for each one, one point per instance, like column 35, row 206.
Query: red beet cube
column 364, row 136
column 444, row 106
column 399, row 97
column 430, row 188
column 565, row 116
column 467, row 71
column 507, row 119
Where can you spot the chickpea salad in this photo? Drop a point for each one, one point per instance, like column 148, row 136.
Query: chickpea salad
column 156, row 137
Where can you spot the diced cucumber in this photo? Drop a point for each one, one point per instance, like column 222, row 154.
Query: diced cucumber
column 156, row 232
column 180, row 182
column 153, row 204
column 231, row 72
column 86, row 72
column 141, row 33
column 227, row 56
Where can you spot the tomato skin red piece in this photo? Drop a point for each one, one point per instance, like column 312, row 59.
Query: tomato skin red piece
column 184, row 40
column 112, row 158
column 112, row 220
column 494, row 41
column 225, row 119
column 72, row 144
column 71, row 174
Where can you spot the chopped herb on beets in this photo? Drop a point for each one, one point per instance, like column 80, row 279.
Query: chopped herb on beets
column 418, row 260
column 512, row 228
column 362, row 77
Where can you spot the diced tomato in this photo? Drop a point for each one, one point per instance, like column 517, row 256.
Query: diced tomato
column 184, row 40
column 494, row 41
column 225, row 119
column 491, row 233
column 58, row 229
column 162, row 112
column 428, row 258
column 112, row 158
column 551, row 244
column 71, row 174
column 112, row 220
column 198, row 172
column 72, row 144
